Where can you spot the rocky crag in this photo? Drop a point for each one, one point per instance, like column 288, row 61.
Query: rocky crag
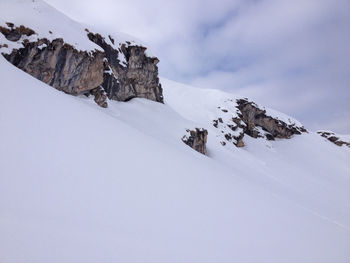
column 246, row 118
column 197, row 139
column 117, row 73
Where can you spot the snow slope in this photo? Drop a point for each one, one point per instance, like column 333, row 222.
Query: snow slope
column 307, row 168
column 79, row 183
column 43, row 19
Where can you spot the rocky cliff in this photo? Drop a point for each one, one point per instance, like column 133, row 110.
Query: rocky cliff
column 122, row 73
column 136, row 76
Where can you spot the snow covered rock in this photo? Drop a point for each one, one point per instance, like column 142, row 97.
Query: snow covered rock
column 240, row 117
column 197, row 140
column 273, row 128
column 335, row 138
column 134, row 76
column 123, row 70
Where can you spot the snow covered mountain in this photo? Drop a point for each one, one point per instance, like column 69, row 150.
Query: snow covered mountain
column 116, row 183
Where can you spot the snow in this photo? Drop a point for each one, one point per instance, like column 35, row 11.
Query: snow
column 82, row 183
column 210, row 99
column 48, row 23
column 79, row 183
column 43, row 19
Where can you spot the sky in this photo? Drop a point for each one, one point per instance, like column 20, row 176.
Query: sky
column 292, row 56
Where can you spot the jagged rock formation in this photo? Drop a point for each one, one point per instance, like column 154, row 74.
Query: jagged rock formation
column 254, row 117
column 332, row 137
column 248, row 119
column 59, row 65
column 197, row 139
column 75, row 72
column 137, row 76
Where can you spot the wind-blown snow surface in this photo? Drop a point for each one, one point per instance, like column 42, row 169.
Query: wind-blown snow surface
column 84, row 184
column 79, row 183
column 48, row 23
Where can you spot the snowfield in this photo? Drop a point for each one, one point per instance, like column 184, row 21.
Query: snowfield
column 79, row 183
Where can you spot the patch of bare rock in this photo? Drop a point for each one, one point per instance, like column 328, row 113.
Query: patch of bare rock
column 249, row 119
column 332, row 137
column 197, row 139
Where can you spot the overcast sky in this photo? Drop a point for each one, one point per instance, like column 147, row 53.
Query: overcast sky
column 290, row 55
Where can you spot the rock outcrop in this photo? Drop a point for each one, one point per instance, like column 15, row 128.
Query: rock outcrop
column 60, row 65
column 136, row 76
column 246, row 118
column 332, row 137
column 120, row 74
column 254, row 117
column 197, row 139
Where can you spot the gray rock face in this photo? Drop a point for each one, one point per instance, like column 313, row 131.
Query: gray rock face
column 61, row 66
column 138, row 77
column 197, row 140
column 246, row 118
column 254, row 117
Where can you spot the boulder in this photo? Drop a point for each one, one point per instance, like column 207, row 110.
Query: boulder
column 197, row 139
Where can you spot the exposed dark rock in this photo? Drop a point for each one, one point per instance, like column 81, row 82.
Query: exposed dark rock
column 228, row 136
column 197, row 140
column 248, row 119
column 10, row 25
column 100, row 97
column 331, row 136
column 59, row 65
column 269, row 137
column 254, row 117
column 67, row 69
column 14, row 34
column 138, row 77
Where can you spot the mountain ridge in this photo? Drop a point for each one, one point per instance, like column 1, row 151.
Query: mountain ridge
column 82, row 183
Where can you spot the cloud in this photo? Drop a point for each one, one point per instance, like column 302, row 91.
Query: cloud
column 290, row 55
